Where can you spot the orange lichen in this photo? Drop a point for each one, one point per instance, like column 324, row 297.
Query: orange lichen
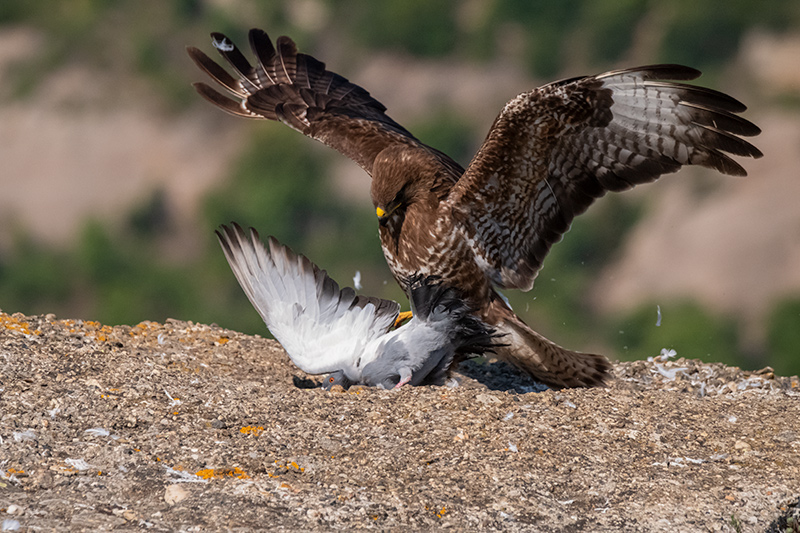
column 441, row 513
column 103, row 333
column 252, row 430
column 289, row 466
column 15, row 324
column 142, row 328
column 90, row 328
column 211, row 473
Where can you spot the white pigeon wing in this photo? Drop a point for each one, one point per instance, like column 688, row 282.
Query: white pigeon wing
column 322, row 328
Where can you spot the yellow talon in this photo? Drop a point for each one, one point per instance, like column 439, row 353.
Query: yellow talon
column 402, row 317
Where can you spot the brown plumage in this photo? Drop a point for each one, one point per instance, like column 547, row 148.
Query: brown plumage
column 549, row 154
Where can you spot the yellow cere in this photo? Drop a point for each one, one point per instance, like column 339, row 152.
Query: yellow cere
column 380, row 212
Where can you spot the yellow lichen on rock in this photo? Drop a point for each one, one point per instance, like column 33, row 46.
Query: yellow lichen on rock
column 13, row 323
column 214, row 473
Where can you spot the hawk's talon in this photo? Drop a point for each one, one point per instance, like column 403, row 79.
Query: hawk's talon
column 402, row 317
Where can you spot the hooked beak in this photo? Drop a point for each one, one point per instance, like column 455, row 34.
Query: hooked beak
column 384, row 214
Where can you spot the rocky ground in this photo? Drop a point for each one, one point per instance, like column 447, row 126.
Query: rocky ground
column 182, row 426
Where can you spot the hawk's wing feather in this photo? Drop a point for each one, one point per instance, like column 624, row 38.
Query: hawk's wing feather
column 217, row 73
column 554, row 150
column 323, row 328
column 297, row 90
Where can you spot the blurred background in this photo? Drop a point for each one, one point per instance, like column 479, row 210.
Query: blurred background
column 114, row 173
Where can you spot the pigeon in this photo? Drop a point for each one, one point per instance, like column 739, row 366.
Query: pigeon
column 325, row 329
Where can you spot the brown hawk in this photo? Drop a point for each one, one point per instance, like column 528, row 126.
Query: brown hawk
column 549, row 154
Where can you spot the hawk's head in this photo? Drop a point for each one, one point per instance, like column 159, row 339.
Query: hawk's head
column 398, row 180
column 385, row 209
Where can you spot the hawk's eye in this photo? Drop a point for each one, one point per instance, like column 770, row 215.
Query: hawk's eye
column 331, row 379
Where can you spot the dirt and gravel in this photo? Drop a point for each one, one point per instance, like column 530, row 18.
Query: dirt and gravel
column 182, row 426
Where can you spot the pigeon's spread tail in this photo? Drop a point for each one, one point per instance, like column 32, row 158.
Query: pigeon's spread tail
column 544, row 360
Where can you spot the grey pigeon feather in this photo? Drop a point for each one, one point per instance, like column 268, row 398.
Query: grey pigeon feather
column 327, row 329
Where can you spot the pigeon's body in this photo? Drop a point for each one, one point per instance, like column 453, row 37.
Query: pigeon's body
column 326, row 329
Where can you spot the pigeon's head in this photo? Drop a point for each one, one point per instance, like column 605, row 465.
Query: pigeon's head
column 336, row 378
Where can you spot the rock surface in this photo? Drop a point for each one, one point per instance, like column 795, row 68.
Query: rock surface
column 190, row 427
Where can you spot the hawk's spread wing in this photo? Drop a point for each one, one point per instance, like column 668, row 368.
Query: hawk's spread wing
column 554, row 150
column 297, row 90
column 321, row 327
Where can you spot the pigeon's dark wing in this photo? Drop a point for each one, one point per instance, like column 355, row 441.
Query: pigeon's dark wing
column 322, row 328
column 552, row 151
column 296, row 89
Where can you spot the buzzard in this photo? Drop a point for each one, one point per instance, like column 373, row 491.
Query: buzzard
column 549, row 154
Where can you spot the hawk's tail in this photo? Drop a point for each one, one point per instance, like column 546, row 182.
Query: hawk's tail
column 544, row 360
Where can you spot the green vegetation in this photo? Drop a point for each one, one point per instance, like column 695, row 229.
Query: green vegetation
column 420, row 27
column 448, row 131
column 150, row 35
column 784, row 337
column 685, row 327
column 703, row 35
